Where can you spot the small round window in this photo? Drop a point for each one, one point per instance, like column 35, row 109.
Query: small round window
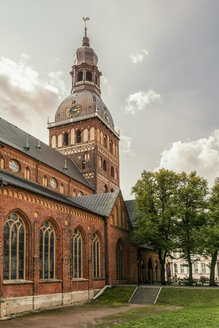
column 14, row 166
column 53, row 183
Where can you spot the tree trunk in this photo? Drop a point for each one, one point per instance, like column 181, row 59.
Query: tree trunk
column 162, row 268
column 212, row 268
column 190, row 268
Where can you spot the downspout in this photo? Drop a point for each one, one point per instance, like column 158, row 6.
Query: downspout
column 106, row 252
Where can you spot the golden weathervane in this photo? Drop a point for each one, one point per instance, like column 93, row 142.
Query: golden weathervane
column 85, row 19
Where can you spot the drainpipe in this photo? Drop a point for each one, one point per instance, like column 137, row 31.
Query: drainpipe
column 106, row 252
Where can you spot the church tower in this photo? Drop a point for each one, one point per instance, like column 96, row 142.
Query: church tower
column 83, row 128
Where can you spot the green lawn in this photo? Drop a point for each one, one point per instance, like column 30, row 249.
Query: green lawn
column 176, row 307
column 115, row 296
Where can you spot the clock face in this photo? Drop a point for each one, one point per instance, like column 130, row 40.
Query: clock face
column 74, row 110
column 106, row 116
column 53, row 183
column 14, row 165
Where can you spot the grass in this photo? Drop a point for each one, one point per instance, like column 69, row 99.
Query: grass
column 176, row 307
column 115, row 296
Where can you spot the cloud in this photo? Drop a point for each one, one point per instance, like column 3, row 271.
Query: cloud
column 139, row 56
column 201, row 155
column 139, row 100
column 126, row 145
column 24, row 97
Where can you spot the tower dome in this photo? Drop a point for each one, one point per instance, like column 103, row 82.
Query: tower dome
column 85, row 54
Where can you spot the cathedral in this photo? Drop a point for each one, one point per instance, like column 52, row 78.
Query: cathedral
column 66, row 231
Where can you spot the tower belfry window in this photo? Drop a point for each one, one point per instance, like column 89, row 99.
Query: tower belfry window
column 89, row 76
column 78, row 136
column 66, row 139
column 80, row 76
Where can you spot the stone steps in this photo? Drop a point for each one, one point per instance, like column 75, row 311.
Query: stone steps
column 145, row 295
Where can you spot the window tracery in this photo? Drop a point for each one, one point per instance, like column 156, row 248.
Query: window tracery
column 96, row 255
column 47, row 251
column 77, row 254
column 14, row 247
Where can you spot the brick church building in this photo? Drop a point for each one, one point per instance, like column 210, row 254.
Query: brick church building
column 65, row 229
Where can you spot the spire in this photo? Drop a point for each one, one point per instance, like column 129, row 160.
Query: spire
column 85, row 41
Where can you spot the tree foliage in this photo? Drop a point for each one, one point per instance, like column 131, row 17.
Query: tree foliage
column 155, row 195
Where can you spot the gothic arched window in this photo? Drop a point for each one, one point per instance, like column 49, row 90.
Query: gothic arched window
column 2, row 163
column 89, row 76
column 80, row 76
column 105, row 140
column 77, row 254
column 96, row 255
column 14, row 247
column 104, row 165
column 45, row 181
column 111, row 147
column 47, row 251
column 112, row 171
column 27, row 173
column 78, row 136
column 119, row 260
column 66, row 139
column 105, row 188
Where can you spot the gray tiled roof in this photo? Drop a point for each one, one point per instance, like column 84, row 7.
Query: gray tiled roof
column 99, row 203
column 16, row 138
column 130, row 206
column 12, row 180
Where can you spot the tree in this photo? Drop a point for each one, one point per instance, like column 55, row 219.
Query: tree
column 209, row 234
column 155, row 195
column 191, row 214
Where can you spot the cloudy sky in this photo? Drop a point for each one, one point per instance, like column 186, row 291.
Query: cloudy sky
column 160, row 65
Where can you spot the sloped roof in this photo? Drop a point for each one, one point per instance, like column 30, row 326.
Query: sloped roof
column 16, row 181
column 13, row 136
column 99, row 203
column 130, row 206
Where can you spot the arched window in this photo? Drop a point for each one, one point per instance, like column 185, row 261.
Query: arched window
column 85, row 135
column 62, row 189
column 105, row 188
column 86, row 156
column 89, row 76
column 53, row 142
column 105, row 140
column 111, row 147
column 96, row 255
column 83, row 164
column 27, row 173
column 112, row 171
column 78, row 136
column 66, row 139
column 45, row 181
column 104, row 165
column 47, row 251
column 77, row 254
column 100, row 162
column 80, row 76
column 119, row 260
column 2, row 163
column 60, row 140
column 14, row 247
column 111, row 190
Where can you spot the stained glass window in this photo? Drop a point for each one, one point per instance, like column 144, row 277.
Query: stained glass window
column 96, row 255
column 77, row 255
column 14, row 248
column 47, row 251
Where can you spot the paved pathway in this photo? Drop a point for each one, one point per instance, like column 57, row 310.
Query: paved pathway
column 71, row 317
